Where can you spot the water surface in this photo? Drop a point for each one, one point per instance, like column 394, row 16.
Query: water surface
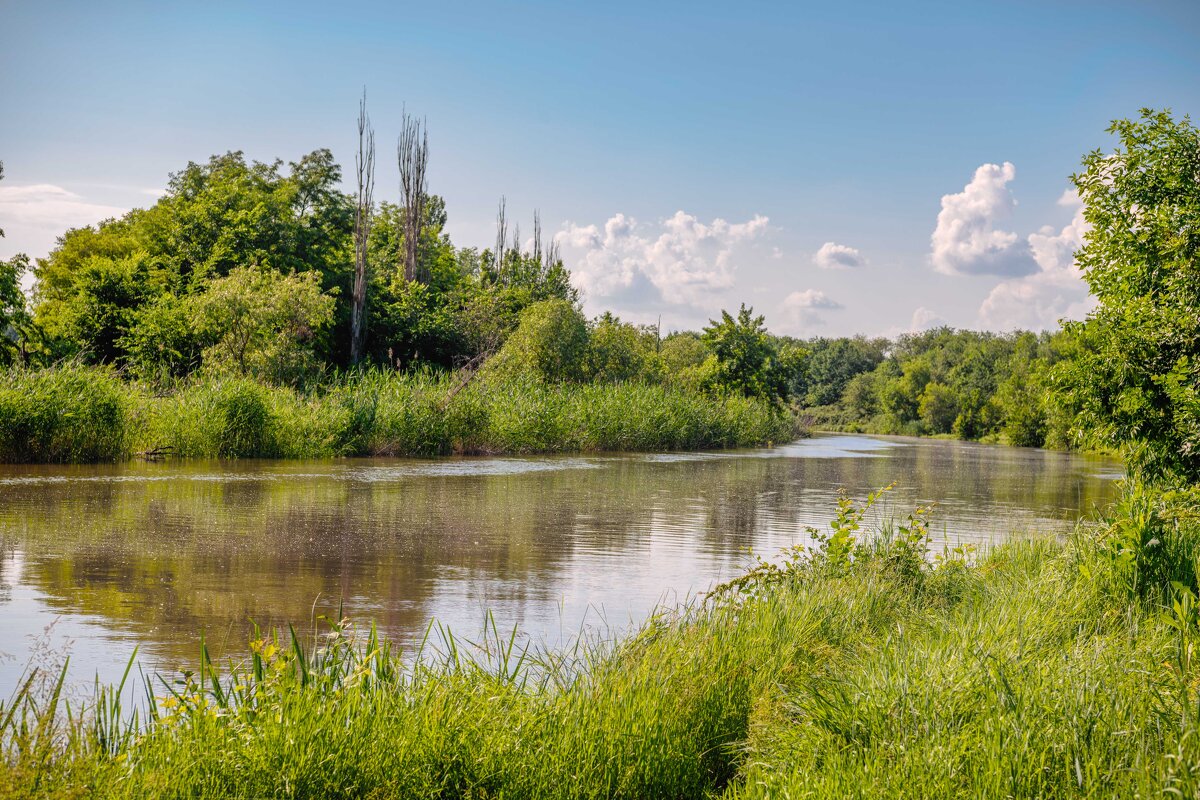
column 95, row 560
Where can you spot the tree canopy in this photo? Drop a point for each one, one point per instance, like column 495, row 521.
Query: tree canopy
column 1135, row 380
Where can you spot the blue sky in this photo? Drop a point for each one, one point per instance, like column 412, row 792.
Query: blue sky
column 689, row 156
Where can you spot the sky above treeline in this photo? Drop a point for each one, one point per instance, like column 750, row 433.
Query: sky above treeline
column 852, row 167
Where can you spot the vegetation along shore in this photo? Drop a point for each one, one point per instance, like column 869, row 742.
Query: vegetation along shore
column 257, row 310
column 862, row 664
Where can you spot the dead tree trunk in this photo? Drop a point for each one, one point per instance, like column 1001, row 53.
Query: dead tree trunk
column 364, row 162
column 501, row 241
column 412, row 154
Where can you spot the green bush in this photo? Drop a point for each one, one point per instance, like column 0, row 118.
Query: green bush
column 550, row 344
column 216, row 418
column 65, row 414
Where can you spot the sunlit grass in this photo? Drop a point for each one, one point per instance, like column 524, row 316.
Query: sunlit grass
column 78, row 414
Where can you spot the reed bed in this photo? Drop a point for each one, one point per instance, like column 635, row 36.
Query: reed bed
column 864, row 666
column 72, row 413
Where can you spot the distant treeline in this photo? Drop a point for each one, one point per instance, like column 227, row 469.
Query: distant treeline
column 968, row 384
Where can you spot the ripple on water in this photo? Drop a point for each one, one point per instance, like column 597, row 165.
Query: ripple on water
column 466, row 467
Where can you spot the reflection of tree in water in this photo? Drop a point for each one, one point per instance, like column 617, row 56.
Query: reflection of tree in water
column 170, row 557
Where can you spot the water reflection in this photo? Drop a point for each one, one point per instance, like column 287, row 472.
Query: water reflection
column 155, row 553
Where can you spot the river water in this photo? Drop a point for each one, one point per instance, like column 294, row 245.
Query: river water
column 98, row 560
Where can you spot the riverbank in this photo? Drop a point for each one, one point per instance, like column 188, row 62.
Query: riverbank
column 826, row 419
column 74, row 414
column 865, row 668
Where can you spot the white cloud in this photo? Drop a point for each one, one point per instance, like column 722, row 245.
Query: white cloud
column 838, row 256
column 679, row 261
column 967, row 240
column 802, row 309
column 34, row 216
column 810, row 299
column 1055, row 292
column 923, row 319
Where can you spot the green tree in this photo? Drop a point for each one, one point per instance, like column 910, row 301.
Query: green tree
column 92, row 314
column 747, row 358
column 160, row 341
column 938, row 407
column 14, row 307
column 682, row 350
column 832, row 364
column 215, row 217
column 14, row 311
column 1136, row 377
column 550, row 343
column 619, row 351
column 257, row 322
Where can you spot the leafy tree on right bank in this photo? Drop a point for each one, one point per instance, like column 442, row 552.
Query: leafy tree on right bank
column 1135, row 377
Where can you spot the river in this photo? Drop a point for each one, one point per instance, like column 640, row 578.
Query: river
column 95, row 560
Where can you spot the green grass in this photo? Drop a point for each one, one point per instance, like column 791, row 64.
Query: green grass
column 69, row 414
column 77, row 414
column 862, row 668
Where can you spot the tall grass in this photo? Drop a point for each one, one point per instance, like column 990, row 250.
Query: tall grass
column 67, row 414
column 861, row 667
column 72, row 413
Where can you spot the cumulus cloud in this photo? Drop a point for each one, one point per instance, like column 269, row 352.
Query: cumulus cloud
column 803, row 309
column 33, row 216
column 923, row 319
column 810, row 299
column 1055, row 292
column 679, row 261
column 967, row 239
column 838, row 256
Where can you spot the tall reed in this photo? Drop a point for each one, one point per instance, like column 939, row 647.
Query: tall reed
column 64, row 414
column 78, row 414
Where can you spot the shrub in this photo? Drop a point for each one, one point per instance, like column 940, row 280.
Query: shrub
column 66, row 414
column 216, row 418
column 550, row 343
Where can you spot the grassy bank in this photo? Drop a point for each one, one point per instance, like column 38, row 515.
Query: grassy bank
column 80, row 414
column 862, row 668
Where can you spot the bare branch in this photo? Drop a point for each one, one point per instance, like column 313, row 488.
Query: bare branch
column 501, row 235
column 364, row 163
column 412, row 155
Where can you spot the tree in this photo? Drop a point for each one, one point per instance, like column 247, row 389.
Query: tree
column 550, row 343
column 364, row 162
column 14, row 311
column 261, row 323
column 682, row 350
column 527, row 276
column 14, row 308
column 160, row 342
column 747, row 359
column 620, row 352
column 832, row 364
column 1136, row 377
column 938, row 407
column 412, row 155
column 215, row 217
column 92, row 314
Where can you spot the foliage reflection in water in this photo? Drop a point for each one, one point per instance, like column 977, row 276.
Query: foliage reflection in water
column 151, row 554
